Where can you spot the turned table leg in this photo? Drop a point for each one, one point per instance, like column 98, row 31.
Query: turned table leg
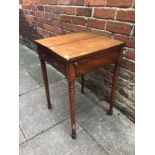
column 45, row 79
column 72, row 108
column 114, row 83
column 82, row 84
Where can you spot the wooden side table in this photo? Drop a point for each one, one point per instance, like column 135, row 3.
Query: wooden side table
column 76, row 54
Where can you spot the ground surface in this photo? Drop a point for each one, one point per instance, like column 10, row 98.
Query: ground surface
column 47, row 132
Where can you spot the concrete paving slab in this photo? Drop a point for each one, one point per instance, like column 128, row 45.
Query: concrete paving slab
column 29, row 61
column 57, row 141
column 26, row 83
column 53, row 75
column 21, row 137
column 113, row 133
column 27, row 57
column 34, row 115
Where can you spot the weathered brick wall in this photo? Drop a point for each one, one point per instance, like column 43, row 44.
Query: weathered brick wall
column 112, row 18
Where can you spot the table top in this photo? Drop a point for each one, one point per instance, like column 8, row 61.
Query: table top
column 75, row 45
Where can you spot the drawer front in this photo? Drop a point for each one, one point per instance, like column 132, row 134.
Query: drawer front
column 46, row 56
column 90, row 63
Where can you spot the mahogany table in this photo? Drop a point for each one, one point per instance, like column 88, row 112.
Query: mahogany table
column 76, row 54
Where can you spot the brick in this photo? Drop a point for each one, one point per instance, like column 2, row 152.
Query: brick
column 130, row 54
column 119, row 3
column 54, row 16
column 59, row 24
column 48, row 21
column 34, row 1
column 125, row 83
column 126, row 74
column 78, row 21
column 56, row 24
column 40, row 24
column 39, row 14
column 28, row 7
column 84, row 12
column 46, row 15
column 68, row 10
column 121, row 28
column 40, row 8
column 130, row 42
column 82, row 28
column 77, row 2
column 34, row 8
column 74, row 20
column 124, row 92
column 65, row 19
column 24, row 6
column 96, row 23
column 35, row 19
column 42, row 20
column 26, row 12
column 20, row 11
column 45, row 32
column 70, row 2
column 47, row 8
column 69, row 27
column 29, row 17
column 127, row 64
column 52, row 2
column 100, row 32
column 24, row 1
column 58, row 31
column 57, row 10
column 63, row 2
column 126, row 16
column 32, row 13
column 95, row 2
column 47, row 27
column 52, row 29
column 104, row 13
column 21, row 15
column 45, row 1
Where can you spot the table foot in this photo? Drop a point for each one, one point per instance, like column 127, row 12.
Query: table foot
column 49, row 106
column 110, row 112
column 73, row 135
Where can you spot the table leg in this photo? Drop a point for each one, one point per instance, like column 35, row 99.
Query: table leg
column 72, row 108
column 114, row 83
column 45, row 78
column 82, row 84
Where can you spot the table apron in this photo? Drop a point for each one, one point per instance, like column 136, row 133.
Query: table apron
column 91, row 63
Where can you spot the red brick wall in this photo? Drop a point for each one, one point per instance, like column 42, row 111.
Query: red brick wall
column 112, row 18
